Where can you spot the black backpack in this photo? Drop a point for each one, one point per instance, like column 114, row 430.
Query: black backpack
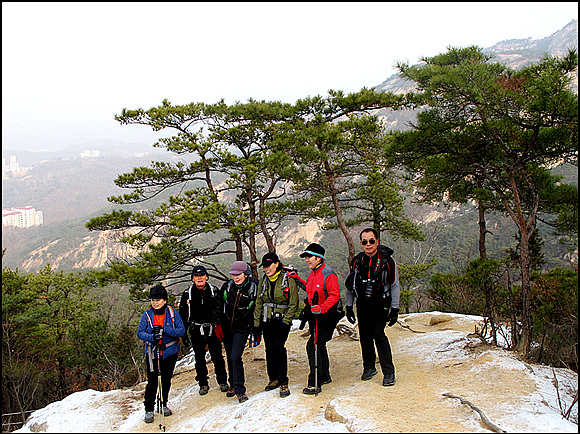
column 385, row 268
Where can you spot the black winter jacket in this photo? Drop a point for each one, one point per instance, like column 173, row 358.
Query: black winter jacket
column 239, row 303
column 201, row 306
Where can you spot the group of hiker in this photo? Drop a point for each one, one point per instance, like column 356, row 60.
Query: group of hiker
column 246, row 309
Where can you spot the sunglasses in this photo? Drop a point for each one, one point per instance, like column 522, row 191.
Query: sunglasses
column 371, row 242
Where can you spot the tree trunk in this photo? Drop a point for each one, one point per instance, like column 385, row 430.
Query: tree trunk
column 267, row 236
column 251, row 232
column 526, row 340
column 513, row 319
column 338, row 212
column 482, row 231
column 526, row 228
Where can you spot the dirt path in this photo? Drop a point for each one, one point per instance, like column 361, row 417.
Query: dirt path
column 414, row 404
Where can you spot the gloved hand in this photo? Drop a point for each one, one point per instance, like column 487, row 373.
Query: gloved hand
column 303, row 317
column 157, row 333
column 255, row 341
column 316, row 310
column 350, row 314
column 218, row 331
column 393, row 316
column 256, row 336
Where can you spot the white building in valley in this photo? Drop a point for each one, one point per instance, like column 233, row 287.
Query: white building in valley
column 21, row 216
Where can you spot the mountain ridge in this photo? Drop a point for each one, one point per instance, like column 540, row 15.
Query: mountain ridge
column 45, row 195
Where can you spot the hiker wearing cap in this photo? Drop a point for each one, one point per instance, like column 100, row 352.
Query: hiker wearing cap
column 160, row 327
column 323, row 307
column 276, row 305
column 374, row 281
column 239, row 298
column 200, row 309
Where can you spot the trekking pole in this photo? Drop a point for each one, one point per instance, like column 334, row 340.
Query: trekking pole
column 160, row 389
column 315, row 300
column 316, row 354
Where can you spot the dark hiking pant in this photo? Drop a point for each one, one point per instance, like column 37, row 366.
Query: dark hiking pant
column 214, row 345
column 275, row 334
column 325, row 330
column 372, row 321
column 167, row 367
column 234, row 344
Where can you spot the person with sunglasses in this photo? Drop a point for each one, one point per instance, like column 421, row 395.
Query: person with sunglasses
column 374, row 281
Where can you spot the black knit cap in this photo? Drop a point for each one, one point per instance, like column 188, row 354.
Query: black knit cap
column 198, row 270
column 158, row 292
column 269, row 258
column 313, row 250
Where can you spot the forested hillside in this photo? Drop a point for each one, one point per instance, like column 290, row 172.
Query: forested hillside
column 464, row 198
column 71, row 191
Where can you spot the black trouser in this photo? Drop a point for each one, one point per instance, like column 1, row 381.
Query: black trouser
column 372, row 320
column 234, row 343
column 214, row 345
column 326, row 326
column 275, row 335
column 167, row 367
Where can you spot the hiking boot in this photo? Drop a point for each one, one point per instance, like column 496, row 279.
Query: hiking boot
column 284, row 391
column 149, row 416
column 272, row 385
column 224, row 387
column 327, row 381
column 311, row 390
column 166, row 411
column 389, row 380
column 230, row 392
column 368, row 374
column 242, row 397
column 203, row 390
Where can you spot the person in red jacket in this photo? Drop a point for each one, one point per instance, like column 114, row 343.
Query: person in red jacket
column 323, row 295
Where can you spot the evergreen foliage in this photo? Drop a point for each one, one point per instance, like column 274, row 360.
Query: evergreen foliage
column 487, row 133
column 56, row 341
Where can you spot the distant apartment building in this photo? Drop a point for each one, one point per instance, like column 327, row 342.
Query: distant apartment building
column 90, row 153
column 13, row 166
column 22, row 217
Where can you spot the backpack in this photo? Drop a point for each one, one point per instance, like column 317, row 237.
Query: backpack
column 336, row 311
column 289, row 272
column 382, row 268
column 252, row 291
column 214, row 292
column 171, row 313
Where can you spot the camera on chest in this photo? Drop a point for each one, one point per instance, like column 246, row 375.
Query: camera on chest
column 369, row 286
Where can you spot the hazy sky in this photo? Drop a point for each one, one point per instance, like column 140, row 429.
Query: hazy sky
column 68, row 68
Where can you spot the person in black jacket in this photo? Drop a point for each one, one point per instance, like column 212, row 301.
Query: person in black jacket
column 200, row 308
column 239, row 295
column 374, row 281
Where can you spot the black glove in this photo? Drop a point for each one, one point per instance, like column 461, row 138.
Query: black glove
column 157, row 333
column 350, row 314
column 393, row 315
column 303, row 317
